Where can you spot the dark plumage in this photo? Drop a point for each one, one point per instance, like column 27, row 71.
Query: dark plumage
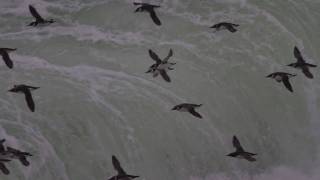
column 144, row 7
column 122, row 175
column 161, row 66
column 282, row 77
column 3, row 167
column 27, row 92
column 39, row 19
column 185, row 107
column 225, row 25
column 4, row 52
column 2, row 148
column 240, row 152
column 17, row 154
column 301, row 63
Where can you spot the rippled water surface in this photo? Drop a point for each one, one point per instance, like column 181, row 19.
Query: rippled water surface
column 96, row 101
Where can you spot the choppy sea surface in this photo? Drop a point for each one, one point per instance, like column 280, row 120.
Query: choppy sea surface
column 95, row 100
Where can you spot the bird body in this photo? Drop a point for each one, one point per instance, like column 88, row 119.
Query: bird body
column 225, row 25
column 161, row 66
column 26, row 90
column 301, row 63
column 144, row 7
column 240, row 152
column 186, row 107
column 122, row 175
column 282, row 77
column 38, row 18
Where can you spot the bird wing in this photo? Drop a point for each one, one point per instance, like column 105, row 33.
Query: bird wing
column 164, row 75
column 2, row 148
column 29, row 99
column 231, row 28
column 10, row 149
column 311, row 65
column 270, row 75
column 236, row 144
column 195, row 113
column 307, row 72
column 297, row 54
column 287, row 84
column 32, row 87
column 4, row 169
column 6, row 59
column 35, row 14
column 154, row 17
column 117, row 166
column 154, row 56
column 169, row 55
column 24, row 160
column 249, row 157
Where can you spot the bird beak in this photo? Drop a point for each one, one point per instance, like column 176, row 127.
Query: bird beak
column 173, row 109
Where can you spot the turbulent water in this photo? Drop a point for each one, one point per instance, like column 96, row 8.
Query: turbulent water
column 95, row 100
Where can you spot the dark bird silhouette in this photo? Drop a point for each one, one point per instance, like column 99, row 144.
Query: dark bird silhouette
column 145, row 7
column 39, row 19
column 2, row 148
column 27, row 92
column 3, row 167
column 185, row 107
column 282, row 77
column 225, row 25
column 301, row 63
column 17, row 154
column 122, row 175
column 240, row 152
column 161, row 66
column 4, row 52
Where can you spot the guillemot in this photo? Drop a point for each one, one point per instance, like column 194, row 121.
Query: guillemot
column 225, row 25
column 301, row 63
column 282, row 77
column 185, row 107
column 161, row 66
column 240, row 152
column 17, row 154
column 145, row 7
column 4, row 52
column 27, row 92
column 39, row 19
column 122, row 175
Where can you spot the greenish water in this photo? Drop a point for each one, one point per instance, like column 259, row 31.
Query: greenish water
column 96, row 101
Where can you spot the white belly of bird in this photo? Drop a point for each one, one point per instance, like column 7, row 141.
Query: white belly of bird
column 278, row 78
column 165, row 66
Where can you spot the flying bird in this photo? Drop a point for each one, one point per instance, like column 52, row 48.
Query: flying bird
column 301, row 63
column 39, row 19
column 282, row 77
column 17, row 154
column 161, row 66
column 27, row 92
column 185, row 107
column 240, row 152
column 4, row 52
column 122, row 175
column 225, row 25
column 145, row 7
